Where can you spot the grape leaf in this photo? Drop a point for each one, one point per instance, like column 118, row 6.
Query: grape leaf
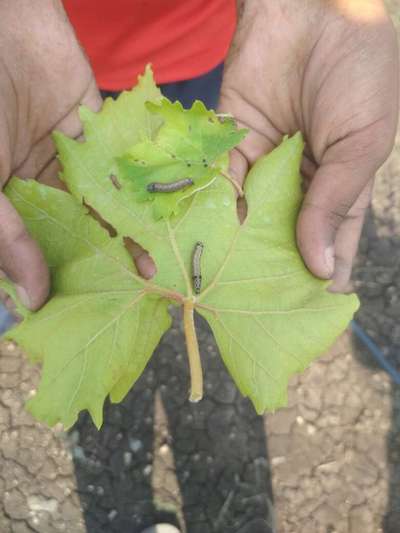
column 189, row 144
column 101, row 326
column 269, row 315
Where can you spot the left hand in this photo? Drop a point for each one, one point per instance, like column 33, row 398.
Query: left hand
column 329, row 69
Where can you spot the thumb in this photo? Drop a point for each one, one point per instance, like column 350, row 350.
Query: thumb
column 330, row 220
column 21, row 258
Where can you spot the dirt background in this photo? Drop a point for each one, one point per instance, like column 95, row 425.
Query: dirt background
column 329, row 463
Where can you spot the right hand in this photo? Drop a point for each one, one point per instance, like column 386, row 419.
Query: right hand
column 330, row 70
column 44, row 77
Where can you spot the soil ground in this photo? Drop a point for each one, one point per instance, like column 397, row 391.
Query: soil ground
column 328, row 463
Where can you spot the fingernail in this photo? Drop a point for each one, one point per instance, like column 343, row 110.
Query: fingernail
column 330, row 260
column 23, row 296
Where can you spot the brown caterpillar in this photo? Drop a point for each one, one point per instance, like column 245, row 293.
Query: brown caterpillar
column 196, row 266
column 169, row 187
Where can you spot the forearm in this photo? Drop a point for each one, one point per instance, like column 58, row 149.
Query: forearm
column 33, row 31
column 22, row 18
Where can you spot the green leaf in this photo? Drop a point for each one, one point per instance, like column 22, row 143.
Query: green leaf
column 100, row 327
column 190, row 144
column 269, row 315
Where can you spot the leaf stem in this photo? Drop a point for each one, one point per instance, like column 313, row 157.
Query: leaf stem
column 196, row 372
column 233, row 181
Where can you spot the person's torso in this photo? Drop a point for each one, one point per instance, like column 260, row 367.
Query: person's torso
column 182, row 39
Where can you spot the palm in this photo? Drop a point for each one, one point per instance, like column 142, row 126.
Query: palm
column 32, row 116
column 327, row 77
column 41, row 88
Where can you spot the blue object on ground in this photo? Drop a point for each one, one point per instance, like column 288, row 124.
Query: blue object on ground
column 6, row 319
column 375, row 352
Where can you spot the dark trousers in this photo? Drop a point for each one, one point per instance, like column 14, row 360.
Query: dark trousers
column 205, row 88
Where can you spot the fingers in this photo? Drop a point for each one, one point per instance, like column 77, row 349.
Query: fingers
column 246, row 154
column 238, row 166
column 145, row 265
column 331, row 219
column 21, row 258
column 143, row 262
column 261, row 138
column 347, row 239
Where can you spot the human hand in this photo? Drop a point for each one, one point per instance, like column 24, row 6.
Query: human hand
column 329, row 69
column 44, row 77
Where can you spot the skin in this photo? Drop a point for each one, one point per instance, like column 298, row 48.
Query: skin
column 327, row 68
column 41, row 87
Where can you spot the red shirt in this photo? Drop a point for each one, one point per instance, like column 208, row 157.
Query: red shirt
column 181, row 38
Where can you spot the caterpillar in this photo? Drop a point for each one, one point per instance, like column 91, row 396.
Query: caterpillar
column 169, row 187
column 196, row 267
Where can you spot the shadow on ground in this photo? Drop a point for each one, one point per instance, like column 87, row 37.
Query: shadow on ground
column 377, row 278
column 203, row 467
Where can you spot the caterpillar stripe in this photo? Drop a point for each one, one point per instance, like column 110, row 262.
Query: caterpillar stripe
column 196, row 266
column 169, row 187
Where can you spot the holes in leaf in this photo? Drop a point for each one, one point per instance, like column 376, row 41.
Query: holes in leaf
column 141, row 258
column 241, row 206
column 103, row 223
